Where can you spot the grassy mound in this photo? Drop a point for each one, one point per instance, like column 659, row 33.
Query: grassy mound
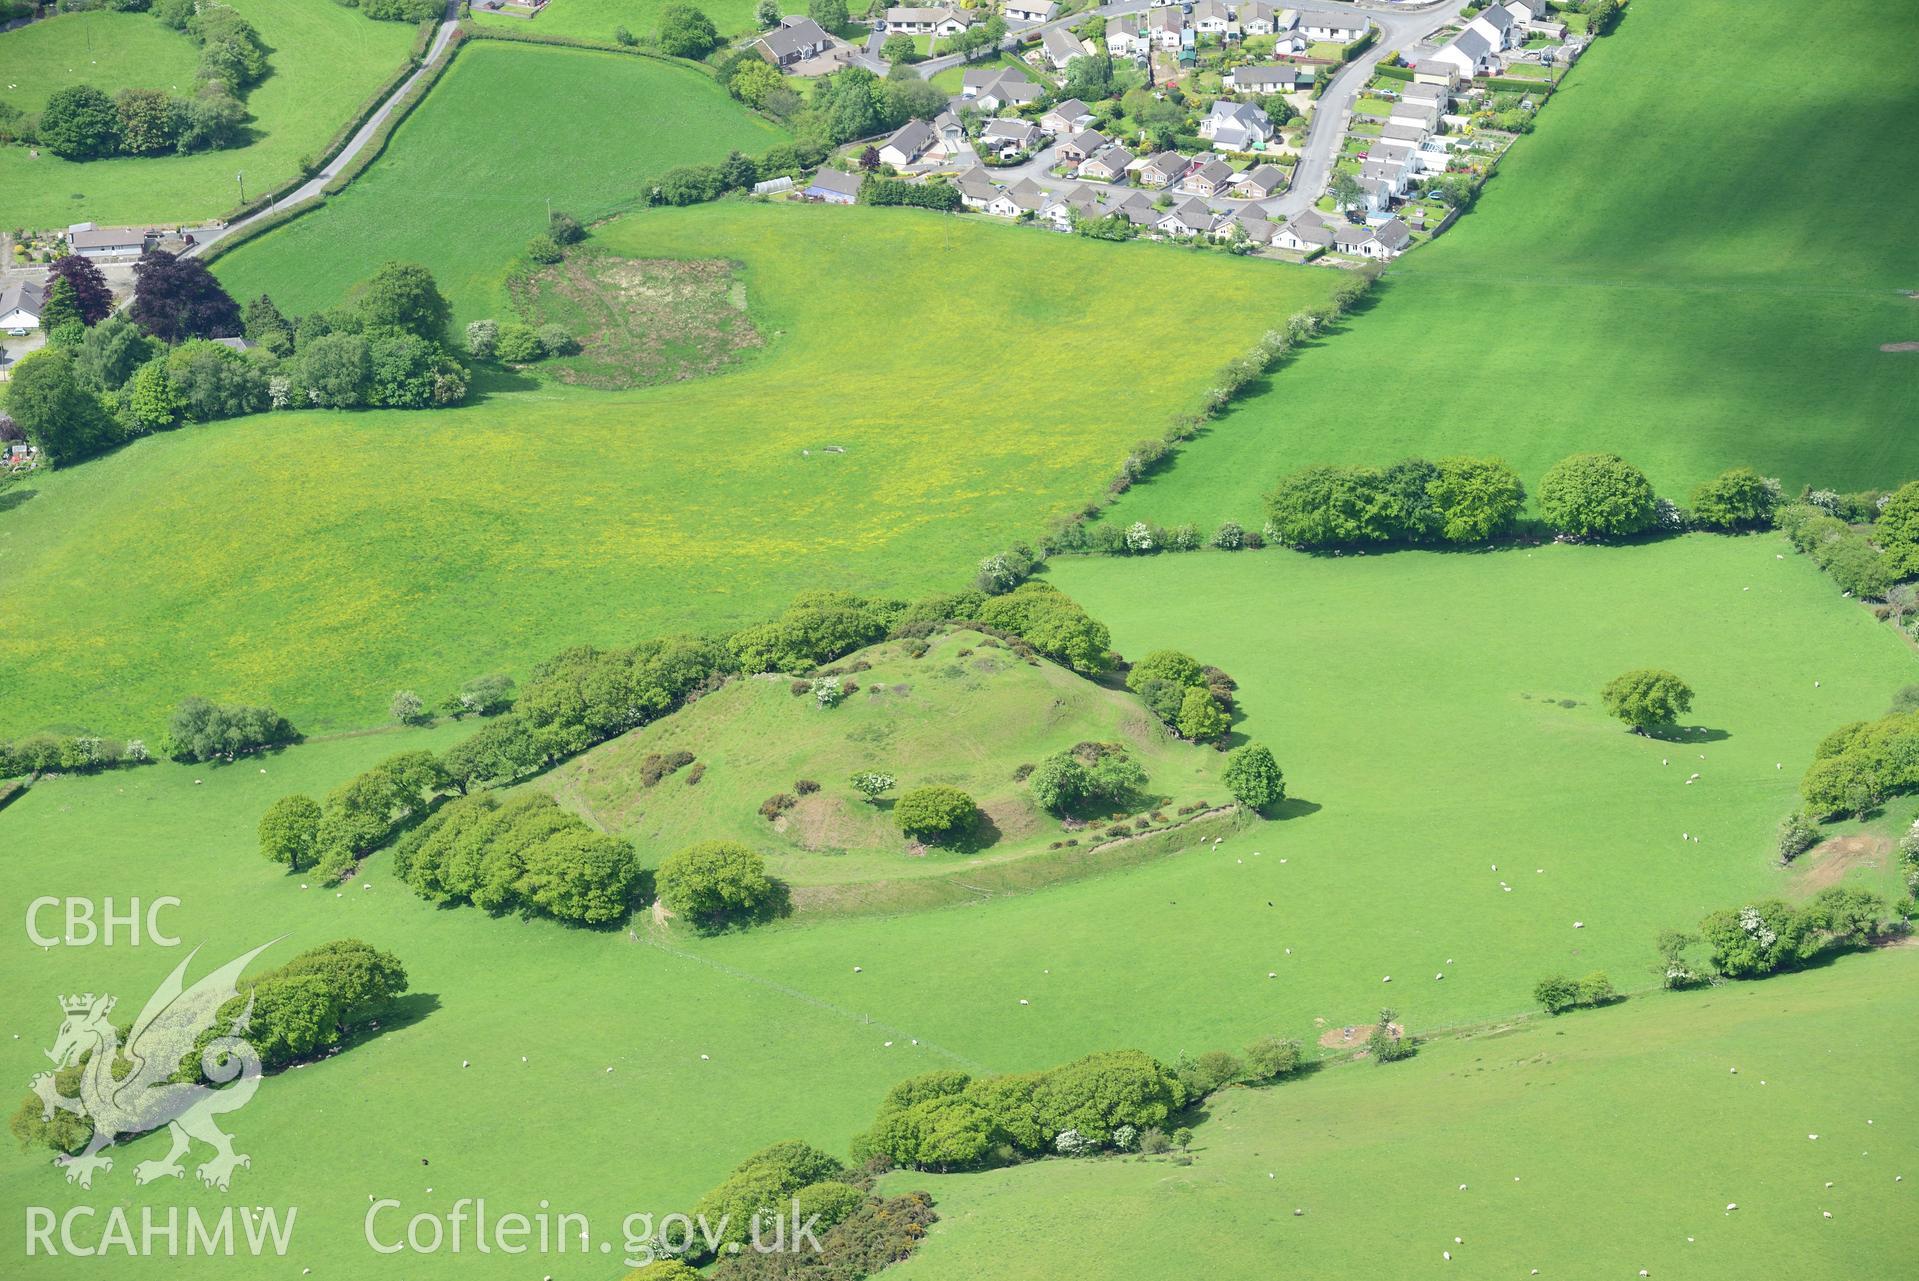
column 1534, row 1145
column 1643, row 277
column 968, row 713
column 325, row 59
column 468, row 178
column 392, row 550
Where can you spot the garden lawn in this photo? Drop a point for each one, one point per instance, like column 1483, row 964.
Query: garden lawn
column 1594, row 1145
column 597, row 19
column 466, row 181
column 320, row 561
column 325, row 61
column 1644, row 276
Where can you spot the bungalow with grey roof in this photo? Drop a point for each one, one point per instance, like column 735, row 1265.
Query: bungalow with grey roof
column 1162, row 170
column 90, row 241
column 1136, row 208
column 994, row 87
column 1208, row 179
column 1060, row 47
column 1249, row 222
column 1023, row 197
column 1187, row 218
column 1272, row 78
column 938, row 21
column 908, row 143
column 1211, row 18
column 1010, row 135
column 976, row 188
column 1164, row 27
column 1080, row 202
column 1261, row 182
column 1087, row 142
column 1127, row 37
column 796, row 39
column 1305, row 234
column 1028, row 10
column 832, row 187
column 20, row 306
column 1388, row 240
column 1333, row 28
column 1257, row 19
column 1109, row 165
column 1067, row 117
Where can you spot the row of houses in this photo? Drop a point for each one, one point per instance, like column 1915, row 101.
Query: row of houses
column 1408, row 145
column 1169, row 28
column 1309, row 233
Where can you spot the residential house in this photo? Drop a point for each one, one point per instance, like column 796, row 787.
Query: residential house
column 1535, row 15
column 1067, row 117
column 1271, row 78
column 1162, row 170
column 1420, row 115
column 1166, row 28
column 1378, row 194
column 1404, row 135
column 1010, row 135
column 20, row 305
column 928, row 22
column 976, row 188
column 1257, row 19
column 1294, row 41
column 1257, row 229
column 236, row 344
column 796, row 39
column 1496, row 23
column 1080, row 202
column 1060, row 47
column 1331, row 28
column 1208, row 179
column 1109, row 165
column 1028, row 10
column 833, row 187
column 1305, row 234
column 1187, row 218
column 1468, row 54
column 991, row 88
column 1077, row 147
column 1211, row 18
column 908, row 143
column 1262, row 182
column 1023, row 197
column 1127, row 37
column 1419, row 91
column 1388, row 240
column 1236, row 126
column 94, row 242
column 1433, row 71
column 949, row 136
column 1137, row 208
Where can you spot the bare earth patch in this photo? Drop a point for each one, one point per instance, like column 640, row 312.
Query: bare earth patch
column 640, row 321
column 1899, row 346
column 1353, row 1037
column 1829, row 861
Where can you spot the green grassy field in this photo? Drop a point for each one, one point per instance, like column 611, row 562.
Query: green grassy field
column 1641, row 277
column 1594, row 1145
column 967, row 713
column 466, row 180
column 325, row 59
column 596, row 19
column 1391, row 687
column 321, row 561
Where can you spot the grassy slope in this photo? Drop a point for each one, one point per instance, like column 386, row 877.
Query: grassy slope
column 467, row 179
column 388, row 550
column 325, row 59
column 596, row 19
column 1689, row 264
column 1422, row 782
column 965, row 721
column 1591, row 1146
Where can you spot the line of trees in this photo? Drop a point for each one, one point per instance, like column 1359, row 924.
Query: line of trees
column 524, row 855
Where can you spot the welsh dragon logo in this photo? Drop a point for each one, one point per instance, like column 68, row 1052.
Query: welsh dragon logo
column 148, row 1083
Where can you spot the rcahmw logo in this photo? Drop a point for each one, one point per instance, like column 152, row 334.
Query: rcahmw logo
column 161, row 1232
column 128, row 1090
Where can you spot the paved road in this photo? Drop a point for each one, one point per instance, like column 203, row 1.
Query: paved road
column 355, row 145
column 1400, row 27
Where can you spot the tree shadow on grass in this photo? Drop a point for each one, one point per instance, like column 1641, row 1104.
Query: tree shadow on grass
column 1687, row 734
column 12, row 498
column 1290, row 808
column 492, row 380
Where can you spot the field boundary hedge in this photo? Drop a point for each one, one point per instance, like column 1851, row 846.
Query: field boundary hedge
column 1392, row 72
column 260, row 226
column 344, row 134
column 516, row 36
column 402, row 108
